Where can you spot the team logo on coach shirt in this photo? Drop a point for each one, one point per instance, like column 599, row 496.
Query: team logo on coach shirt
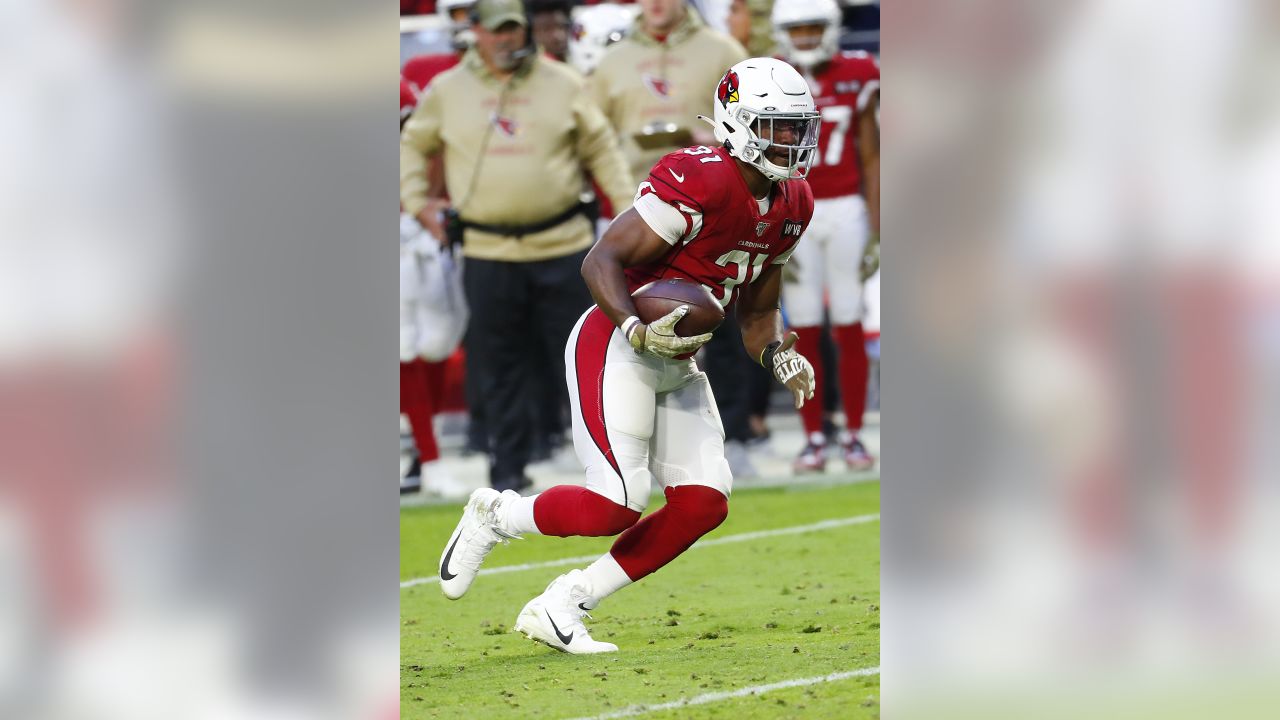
column 791, row 227
column 728, row 90
column 506, row 126
column 658, row 86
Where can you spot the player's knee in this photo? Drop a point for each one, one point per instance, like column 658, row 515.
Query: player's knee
column 702, row 508
column 608, row 517
column 618, row 519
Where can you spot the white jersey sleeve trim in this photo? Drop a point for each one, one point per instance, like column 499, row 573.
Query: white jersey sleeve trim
column 671, row 224
column 695, row 222
column 784, row 257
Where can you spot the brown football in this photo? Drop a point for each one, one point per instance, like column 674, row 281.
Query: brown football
column 662, row 296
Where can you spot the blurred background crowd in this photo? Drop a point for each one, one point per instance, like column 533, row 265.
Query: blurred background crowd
column 477, row 407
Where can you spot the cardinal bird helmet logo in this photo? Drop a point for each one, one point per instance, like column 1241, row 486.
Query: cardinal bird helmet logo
column 728, row 90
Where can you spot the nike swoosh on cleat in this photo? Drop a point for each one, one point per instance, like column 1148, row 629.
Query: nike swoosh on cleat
column 583, row 606
column 566, row 639
column 679, row 178
column 444, row 564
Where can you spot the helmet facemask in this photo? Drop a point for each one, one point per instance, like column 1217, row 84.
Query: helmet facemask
column 781, row 145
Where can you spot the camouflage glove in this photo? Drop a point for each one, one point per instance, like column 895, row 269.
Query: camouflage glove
column 659, row 338
column 870, row 258
column 790, row 368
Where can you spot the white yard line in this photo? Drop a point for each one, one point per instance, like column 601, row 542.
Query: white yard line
column 740, row 537
column 781, row 479
column 634, row 710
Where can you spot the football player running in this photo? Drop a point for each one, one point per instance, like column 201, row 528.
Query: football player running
column 728, row 217
column 829, row 262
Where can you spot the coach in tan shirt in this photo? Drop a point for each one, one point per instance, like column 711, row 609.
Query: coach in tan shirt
column 654, row 83
column 518, row 131
column 516, row 141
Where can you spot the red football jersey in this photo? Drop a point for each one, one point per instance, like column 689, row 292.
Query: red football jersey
column 839, row 92
column 421, row 69
column 717, row 234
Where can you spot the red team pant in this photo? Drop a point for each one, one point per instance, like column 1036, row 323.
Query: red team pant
column 421, row 392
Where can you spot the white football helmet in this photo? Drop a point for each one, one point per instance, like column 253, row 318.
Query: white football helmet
column 765, row 117
column 460, row 34
column 807, row 12
column 595, row 28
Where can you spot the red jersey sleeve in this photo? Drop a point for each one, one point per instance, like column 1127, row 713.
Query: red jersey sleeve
column 678, row 193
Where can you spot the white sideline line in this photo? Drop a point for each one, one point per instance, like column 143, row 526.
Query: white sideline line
column 741, row 537
column 743, row 692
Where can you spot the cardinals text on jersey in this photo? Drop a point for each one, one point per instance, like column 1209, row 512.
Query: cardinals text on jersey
column 697, row 200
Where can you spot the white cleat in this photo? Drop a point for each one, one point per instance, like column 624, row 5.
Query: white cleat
column 554, row 618
column 475, row 536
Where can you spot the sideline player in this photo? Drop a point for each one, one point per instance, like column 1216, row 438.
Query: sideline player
column 828, row 262
column 728, row 217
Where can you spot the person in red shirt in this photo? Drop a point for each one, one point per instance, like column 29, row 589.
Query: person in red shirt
column 728, row 217
column 417, row 7
column 827, row 267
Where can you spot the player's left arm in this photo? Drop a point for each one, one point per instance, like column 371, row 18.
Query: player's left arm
column 758, row 312
column 869, row 157
column 760, row 319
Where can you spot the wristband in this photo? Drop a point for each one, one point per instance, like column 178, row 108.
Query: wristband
column 766, row 355
column 629, row 326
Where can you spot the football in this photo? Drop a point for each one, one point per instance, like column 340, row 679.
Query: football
column 662, row 296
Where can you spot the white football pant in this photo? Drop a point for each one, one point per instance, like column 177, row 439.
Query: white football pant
column 826, row 263
column 637, row 418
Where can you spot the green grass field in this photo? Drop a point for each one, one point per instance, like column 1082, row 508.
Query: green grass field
column 719, row 618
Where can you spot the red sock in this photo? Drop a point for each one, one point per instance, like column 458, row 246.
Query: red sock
column 569, row 510
column 807, row 345
column 691, row 512
column 853, row 373
column 416, row 403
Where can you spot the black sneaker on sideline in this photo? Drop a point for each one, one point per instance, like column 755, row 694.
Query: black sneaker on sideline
column 412, row 480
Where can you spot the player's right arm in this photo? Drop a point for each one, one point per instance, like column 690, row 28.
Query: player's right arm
column 628, row 242
column 420, row 140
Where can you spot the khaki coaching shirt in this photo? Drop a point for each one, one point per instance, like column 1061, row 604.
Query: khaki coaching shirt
column 641, row 81
column 542, row 130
